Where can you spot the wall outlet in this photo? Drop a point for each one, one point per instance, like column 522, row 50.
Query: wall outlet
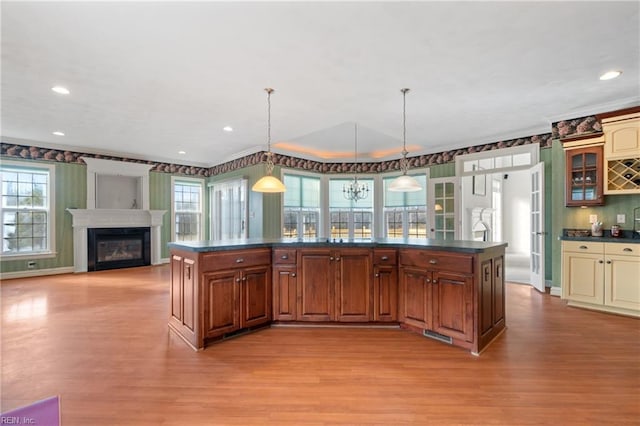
column 621, row 218
column 31, row 264
column 593, row 218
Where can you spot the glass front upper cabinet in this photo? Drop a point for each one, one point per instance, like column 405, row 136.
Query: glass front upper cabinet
column 584, row 177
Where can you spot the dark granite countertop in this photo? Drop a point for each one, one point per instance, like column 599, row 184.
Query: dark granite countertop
column 626, row 237
column 459, row 246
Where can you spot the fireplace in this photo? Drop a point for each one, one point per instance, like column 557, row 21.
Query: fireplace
column 112, row 248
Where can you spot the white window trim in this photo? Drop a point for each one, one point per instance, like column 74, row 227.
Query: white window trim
column 324, row 198
column 381, row 231
column 51, row 226
column 532, row 149
column 197, row 181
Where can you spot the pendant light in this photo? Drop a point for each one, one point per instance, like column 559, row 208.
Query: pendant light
column 269, row 183
column 404, row 183
column 355, row 191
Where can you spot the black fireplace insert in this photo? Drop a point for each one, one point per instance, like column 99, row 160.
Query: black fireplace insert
column 112, row 248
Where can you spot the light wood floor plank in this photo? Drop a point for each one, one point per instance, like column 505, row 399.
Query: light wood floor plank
column 100, row 341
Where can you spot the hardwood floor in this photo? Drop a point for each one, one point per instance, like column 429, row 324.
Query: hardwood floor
column 100, row 341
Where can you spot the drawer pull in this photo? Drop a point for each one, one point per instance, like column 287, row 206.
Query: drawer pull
column 600, row 261
column 284, row 256
column 583, row 247
column 239, row 260
column 384, row 258
column 627, row 249
column 433, row 261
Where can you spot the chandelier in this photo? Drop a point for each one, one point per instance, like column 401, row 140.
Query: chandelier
column 269, row 183
column 355, row 190
column 404, row 183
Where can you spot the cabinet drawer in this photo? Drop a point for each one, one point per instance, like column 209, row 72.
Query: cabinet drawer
column 284, row 256
column 437, row 260
column 384, row 257
column 235, row 259
column 583, row 247
column 622, row 249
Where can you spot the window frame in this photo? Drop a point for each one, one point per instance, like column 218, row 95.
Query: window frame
column 406, row 210
column 34, row 167
column 300, row 210
column 354, row 208
column 190, row 182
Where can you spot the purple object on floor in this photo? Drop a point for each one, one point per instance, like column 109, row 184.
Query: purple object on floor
column 42, row 413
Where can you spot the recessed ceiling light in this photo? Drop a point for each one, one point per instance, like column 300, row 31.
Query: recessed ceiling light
column 227, row 129
column 61, row 90
column 182, row 152
column 58, row 133
column 610, row 75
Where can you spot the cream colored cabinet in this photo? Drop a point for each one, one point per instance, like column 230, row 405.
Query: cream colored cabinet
column 622, row 152
column 602, row 276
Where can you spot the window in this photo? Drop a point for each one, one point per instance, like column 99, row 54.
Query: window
column 187, row 209
column 301, row 215
column 350, row 219
column 405, row 213
column 444, row 204
column 229, row 211
column 27, row 209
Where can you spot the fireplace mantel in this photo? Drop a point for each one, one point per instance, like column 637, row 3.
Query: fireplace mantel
column 113, row 218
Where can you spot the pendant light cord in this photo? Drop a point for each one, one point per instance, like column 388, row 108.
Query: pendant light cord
column 404, row 163
column 270, row 164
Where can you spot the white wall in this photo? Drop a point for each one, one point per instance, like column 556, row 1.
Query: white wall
column 469, row 201
column 516, row 211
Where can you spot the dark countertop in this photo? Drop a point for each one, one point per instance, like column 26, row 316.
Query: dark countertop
column 459, row 246
column 626, row 237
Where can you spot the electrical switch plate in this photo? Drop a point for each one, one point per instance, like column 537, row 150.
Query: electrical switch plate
column 593, row 218
column 621, row 218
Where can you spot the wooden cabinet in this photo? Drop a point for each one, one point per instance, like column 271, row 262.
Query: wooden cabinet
column 454, row 297
column 622, row 151
column 240, row 297
column 353, row 284
column 602, row 276
column 183, row 292
column 385, row 286
column 437, row 292
column 334, row 285
column 285, row 287
column 584, row 176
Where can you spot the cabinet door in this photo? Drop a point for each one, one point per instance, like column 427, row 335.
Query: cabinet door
column 415, row 297
column 353, row 285
column 222, row 302
column 622, row 139
column 316, row 285
column 583, row 277
column 453, row 305
column 184, row 297
column 385, row 293
column 584, row 177
column 256, row 296
column 622, row 282
column 284, row 292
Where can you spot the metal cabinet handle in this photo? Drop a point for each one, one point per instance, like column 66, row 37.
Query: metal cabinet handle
column 293, row 275
column 377, row 275
column 331, row 258
column 237, row 280
column 583, row 247
column 608, row 262
column 244, row 278
column 433, row 261
column 428, row 280
column 284, row 256
column 384, row 258
column 600, row 261
column 239, row 260
column 627, row 249
column 435, row 281
column 337, row 259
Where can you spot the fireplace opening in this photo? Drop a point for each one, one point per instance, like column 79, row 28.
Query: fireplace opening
column 113, row 248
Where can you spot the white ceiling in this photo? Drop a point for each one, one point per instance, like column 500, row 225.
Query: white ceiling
column 148, row 79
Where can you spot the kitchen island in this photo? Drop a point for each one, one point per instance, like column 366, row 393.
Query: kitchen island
column 452, row 291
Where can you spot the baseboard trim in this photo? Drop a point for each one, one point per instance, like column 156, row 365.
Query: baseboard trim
column 163, row 260
column 36, row 273
column 556, row 291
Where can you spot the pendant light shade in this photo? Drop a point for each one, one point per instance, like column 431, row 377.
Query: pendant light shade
column 404, row 183
column 269, row 183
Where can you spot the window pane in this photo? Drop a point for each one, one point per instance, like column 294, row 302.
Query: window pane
column 391, row 198
column 339, row 224
column 292, row 197
column 362, row 224
column 310, row 221
column 310, row 192
column 290, row 222
column 393, row 219
column 337, row 197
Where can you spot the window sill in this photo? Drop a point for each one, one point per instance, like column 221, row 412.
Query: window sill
column 42, row 255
